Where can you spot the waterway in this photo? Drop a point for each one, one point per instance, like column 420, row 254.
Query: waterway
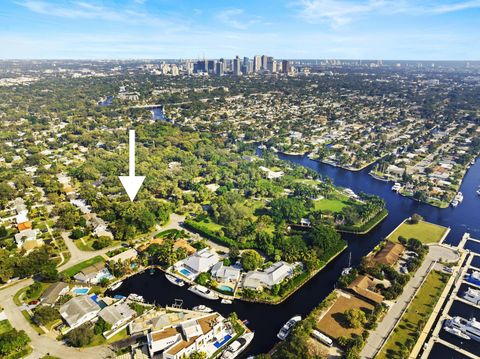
column 266, row 320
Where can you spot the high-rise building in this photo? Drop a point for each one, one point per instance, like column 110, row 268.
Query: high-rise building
column 264, row 62
column 211, row 66
column 257, row 63
column 271, row 65
column 219, row 68
column 246, row 69
column 286, row 66
column 237, row 66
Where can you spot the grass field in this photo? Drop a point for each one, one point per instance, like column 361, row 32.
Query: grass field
column 332, row 205
column 420, row 309
column 424, row 231
column 78, row 267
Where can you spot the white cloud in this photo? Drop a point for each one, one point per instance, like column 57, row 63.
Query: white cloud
column 337, row 13
column 236, row 18
column 90, row 10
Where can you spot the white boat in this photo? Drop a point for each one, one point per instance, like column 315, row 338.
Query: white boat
column 459, row 197
column 348, row 269
column 238, row 346
column 470, row 328
column 115, row 286
column 203, row 308
column 175, row 280
column 322, row 338
column 456, row 332
column 204, row 292
column 287, row 328
column 136, row 297
column 478, row 191
column 472, row 295
column 396, row 187
column 226, row 301
column 473, row 277
column 454, row 203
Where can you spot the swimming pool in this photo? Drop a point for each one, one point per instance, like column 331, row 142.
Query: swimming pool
column 225, row 339
column 225, row 288
column 80, row 291
column 185, row 272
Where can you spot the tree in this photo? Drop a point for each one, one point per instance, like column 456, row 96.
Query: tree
column 68, row 216
column 3, row 232
column 355, row 317
column 45, row 315
column 287, row 209
column 415, row 218
column 101, row 326
column 198, row 355
column 80, row 337
column 251, row 260
column 203, row 278
column 101, row 242
column 12, row 341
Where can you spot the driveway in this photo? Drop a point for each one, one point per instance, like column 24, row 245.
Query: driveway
column 377, row 338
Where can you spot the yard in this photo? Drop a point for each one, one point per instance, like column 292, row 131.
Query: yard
column 420, row 309
column 333, row 322
column 78, row 267
column 423, row 231
column 331, row 205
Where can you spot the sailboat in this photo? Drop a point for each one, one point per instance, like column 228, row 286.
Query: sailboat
column 348, row 269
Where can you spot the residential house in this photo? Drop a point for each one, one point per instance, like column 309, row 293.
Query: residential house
column 50, row 296
column 117, row 314
column 201, row 261
column 28, row 240
column 129, row 254
column 389, row 254
column 79, row 310
column 274, row 274
column 186, row 338
column 365, row 287
column 225, row 274
column 93, row 274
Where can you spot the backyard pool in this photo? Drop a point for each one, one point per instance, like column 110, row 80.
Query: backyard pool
column 80, row 291
column 185, row 272
column 219, row 343
column 225, row 288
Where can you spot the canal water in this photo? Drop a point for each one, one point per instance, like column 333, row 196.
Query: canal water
column 266, row 320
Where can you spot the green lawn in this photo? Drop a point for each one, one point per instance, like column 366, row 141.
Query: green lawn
column 78, row 267
column 332, row 205
column 424, row 231
column 122, row 334
column 420, row 309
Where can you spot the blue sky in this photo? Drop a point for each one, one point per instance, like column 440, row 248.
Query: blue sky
column 366, row 29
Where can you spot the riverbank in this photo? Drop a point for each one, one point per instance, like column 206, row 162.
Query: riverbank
column 367, row 227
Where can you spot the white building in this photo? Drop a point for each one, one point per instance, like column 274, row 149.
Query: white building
column 274, row 274
column 117, row 314
column 79, row 310
column 201, row 261
column 225, row 274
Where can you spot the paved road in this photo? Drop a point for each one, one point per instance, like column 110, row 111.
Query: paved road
column 376, row 339
column 43, row 344
column 76, row 255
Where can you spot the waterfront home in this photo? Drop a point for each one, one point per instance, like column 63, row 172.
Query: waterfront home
column 50, row 296
column 198, row 335
column 389, row 254
column 201, row 261
column 117, row 314
column 271, row 276
column 365, row 286
column 225, row 274
column 93, row 274
column 79, row 310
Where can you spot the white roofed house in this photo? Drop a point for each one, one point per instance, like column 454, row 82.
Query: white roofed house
column 225, row 274
column 201, row 261
column 79, row 310
column 28, row 240
column 274, row 274
column 117, row 314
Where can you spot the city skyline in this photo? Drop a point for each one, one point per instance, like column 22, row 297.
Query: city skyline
column 304, row 29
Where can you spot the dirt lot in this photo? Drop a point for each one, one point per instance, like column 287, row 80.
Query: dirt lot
column 333, row 322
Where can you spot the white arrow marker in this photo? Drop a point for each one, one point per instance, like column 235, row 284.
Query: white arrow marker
column 131, row 183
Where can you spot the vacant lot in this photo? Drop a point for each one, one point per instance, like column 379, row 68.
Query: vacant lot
column 78, row 267
column 419, row 310
column 423, row 231
column 333, row 322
